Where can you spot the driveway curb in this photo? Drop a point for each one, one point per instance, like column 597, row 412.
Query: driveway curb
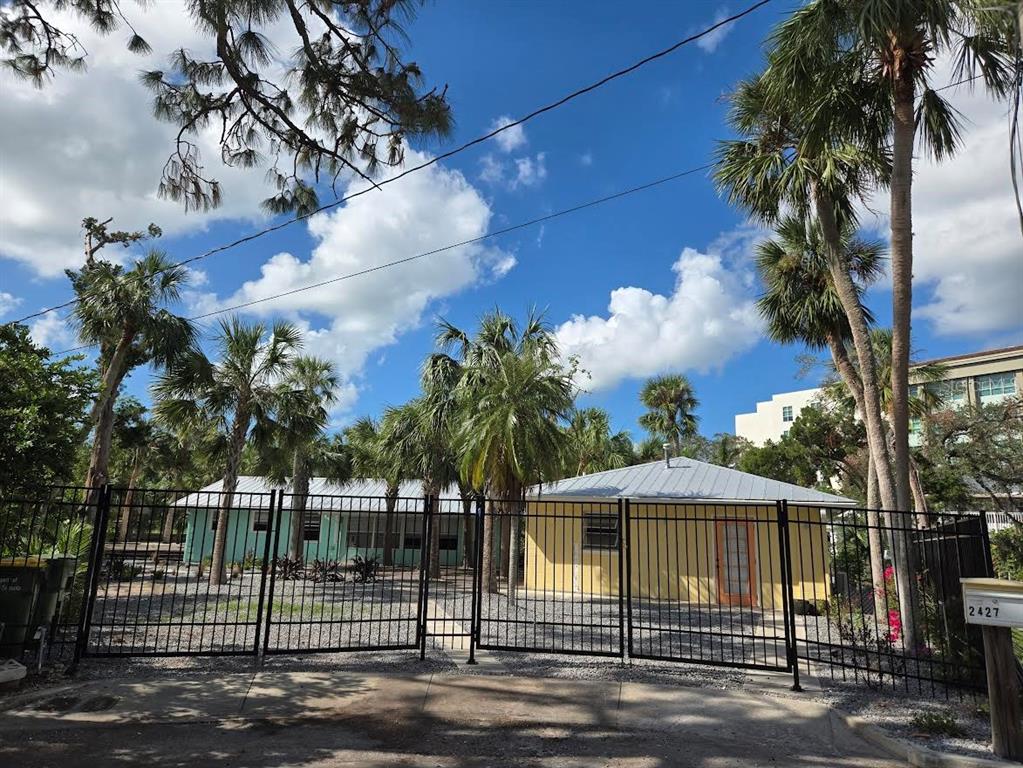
column 914, row 755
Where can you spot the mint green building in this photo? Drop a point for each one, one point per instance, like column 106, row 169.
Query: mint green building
column 339, row 522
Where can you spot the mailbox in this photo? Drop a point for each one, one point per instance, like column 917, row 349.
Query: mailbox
column 993, row 602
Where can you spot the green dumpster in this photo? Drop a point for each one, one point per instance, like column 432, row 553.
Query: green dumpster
column 31, row 588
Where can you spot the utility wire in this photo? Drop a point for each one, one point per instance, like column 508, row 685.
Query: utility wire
column 442, row 249
column 450, row 153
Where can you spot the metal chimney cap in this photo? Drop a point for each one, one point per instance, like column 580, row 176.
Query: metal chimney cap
column 667, row 454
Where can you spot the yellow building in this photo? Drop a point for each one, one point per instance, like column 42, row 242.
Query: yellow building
column 695, row 532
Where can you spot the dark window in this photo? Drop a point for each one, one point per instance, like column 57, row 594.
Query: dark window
column 413, row 541
column 786, row 413
column 361, row 532
column 449, row 543
column 600, row 532
column 311, row 527
column 260, row 519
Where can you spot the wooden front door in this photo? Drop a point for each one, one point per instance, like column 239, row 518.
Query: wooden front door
column 736, row 562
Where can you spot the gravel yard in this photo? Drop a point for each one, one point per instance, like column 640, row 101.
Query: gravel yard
column 180, row 612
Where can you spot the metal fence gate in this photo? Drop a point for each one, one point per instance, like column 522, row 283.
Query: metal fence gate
column 780, row 586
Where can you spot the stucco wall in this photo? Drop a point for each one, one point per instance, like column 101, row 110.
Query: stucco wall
column 674, row 552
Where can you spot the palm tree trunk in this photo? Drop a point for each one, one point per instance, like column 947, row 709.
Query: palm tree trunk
column 234, row 459
column 875, row 535
column 505, row 533
column 514, row 524
column 102, row 416
column 877, row 439
column 468, row 528
column 489, row 576
column 99, row 456
column 129, row 499
column 299, row 496
column 432, row 494
column 846, row 290
column 875, row 546
column 901, row 218
column 168, row 525
column 390, row 500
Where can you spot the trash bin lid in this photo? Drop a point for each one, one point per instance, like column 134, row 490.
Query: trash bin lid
column 24, row 562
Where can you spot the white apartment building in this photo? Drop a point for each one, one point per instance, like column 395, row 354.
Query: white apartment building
column 975, row 378
column 773, row 417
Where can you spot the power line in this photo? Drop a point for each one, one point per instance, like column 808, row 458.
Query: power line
column 471, row 241
column 445, row 155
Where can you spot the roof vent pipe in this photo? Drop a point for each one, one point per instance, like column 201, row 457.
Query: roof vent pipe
column 667, row 454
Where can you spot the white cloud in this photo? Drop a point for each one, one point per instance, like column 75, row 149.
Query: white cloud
column 967, row 247
column 710, row 42
column 97, row 150
column 347, row 321
column 708, row 318
column 529, row 171
column 8, row 302
column 492, row 169
column 52, row 331
column 586, row 159
column 510, row 139
column 514, row 173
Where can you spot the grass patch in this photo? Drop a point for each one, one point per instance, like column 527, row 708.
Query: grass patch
column 937, row 724
column 1017, row 643
column 242, row 610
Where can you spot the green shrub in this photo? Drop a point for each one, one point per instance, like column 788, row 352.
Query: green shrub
column 1007, row 552
column 937, row 724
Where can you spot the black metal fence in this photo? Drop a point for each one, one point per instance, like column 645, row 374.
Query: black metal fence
column 776, row 586
column 894, row 620
column 44, row 557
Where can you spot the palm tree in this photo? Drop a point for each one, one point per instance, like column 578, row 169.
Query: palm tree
column 670, row 404
column 726, row 449
column 800, row 304
column 365, row 443
column 229, row 396
column 182, row 458
column 920, row 405
column 796, row 155
column 780, row 165
column 591, row 446
column 123, row 311
column 297, row 445
column 416, row 437
column 132, row 438
column 892, row 47
column 512, row 392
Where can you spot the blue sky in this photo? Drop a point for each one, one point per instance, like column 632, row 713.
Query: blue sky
column 680, row 245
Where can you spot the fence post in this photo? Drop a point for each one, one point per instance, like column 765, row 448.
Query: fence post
column 788, row 603
column 424, row 573
column 986, row 538
column 477, row 583
column 257, row 648
column 276, row 525
column 626, row 547
column 91, row 584
column 621, row 580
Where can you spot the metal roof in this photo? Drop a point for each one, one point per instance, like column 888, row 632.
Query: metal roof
column 682, row 479
column 253, row 492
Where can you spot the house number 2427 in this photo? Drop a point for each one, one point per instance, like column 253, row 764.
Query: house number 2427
column 985, row 611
